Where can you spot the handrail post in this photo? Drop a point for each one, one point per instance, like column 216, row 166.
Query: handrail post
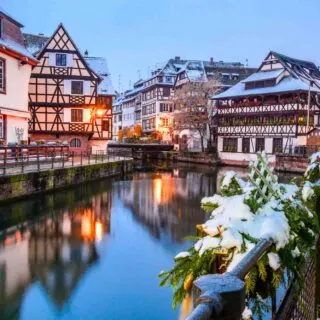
column 81, row 158
column 5, row 161
column 62, row 154
column 72, row 158
column 38, row 160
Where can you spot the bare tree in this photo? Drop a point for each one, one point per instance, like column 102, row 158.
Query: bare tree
column 194, row 109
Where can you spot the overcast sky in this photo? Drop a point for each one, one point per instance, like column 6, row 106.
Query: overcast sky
column 137, row 35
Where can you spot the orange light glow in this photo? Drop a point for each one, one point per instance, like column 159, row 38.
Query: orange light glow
column 99, row 230
column 157, row 190
column 86, row 227
column 100, row 113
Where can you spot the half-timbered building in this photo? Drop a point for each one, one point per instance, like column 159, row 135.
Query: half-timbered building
column 105, row 97
column 15, row 68
column 274, row 109
column 65, row 100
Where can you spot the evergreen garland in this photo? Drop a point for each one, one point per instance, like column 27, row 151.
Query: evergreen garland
column 261, row 191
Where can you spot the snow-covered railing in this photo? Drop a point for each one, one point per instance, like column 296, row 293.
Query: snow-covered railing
column 224, row 294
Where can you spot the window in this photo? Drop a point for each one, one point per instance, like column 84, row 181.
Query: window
column 105, row 125
column 246, row 145
column 260, row 84
column 1, row 28
column 166, row 92
column 2, row 76
column 259, row 144
column 230, row 145
column 75, row 143
column 76, row 87
column 61, row 60
column 169, row 79
column 277, row 145
column 165, row 107
column 76, row 115
column 149, row 124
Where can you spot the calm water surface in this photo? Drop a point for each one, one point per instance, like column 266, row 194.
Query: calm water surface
column 94, row 251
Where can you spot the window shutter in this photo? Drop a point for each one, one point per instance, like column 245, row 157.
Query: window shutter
column 52, row 59
column 86, row 87
column 69, row 60
column 67, row 86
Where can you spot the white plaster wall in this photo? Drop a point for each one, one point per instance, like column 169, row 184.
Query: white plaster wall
column 127, row 122
column 12, row 124
column 268, row 144
column 17, row 83
column 66, row 115
column 98, row 145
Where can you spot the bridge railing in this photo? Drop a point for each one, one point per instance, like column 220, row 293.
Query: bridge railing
column 222, row 296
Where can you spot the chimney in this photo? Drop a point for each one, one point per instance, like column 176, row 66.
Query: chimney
column 211, row 60
column 177, row 58
column 86, row 53
column 41, row 34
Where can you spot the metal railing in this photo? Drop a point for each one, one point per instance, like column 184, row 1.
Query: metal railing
column 222, row 296
column 23, row 159
column 225, row 293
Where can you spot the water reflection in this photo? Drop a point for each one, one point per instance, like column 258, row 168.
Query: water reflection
column 93, row 251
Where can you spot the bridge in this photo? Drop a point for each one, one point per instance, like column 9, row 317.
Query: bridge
column 140, row 150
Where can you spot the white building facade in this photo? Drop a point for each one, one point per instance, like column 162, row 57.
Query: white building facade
column 275, row 109
column 15, row 68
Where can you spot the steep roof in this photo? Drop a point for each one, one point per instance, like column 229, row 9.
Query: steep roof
column 35, row 42
column 291, row 74
column 100, row 67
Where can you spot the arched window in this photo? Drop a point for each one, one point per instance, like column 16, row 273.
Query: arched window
column 75, row 143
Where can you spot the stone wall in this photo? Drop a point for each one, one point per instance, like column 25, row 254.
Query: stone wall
column 291, row 163
column 34, row 182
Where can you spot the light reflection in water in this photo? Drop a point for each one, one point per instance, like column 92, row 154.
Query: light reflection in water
column 95, row 250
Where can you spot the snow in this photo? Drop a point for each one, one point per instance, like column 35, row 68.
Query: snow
column 274, row 260
column 296, row 252
column 227, row 178
column 264, row 75
column 307, row 191
column 208, row 243
column 246, row 314
column 17, row 47
column 289, row 191
column 231, row 238
column 99, row 65
column 314, row 157
column 183, row 254
column 287, row 84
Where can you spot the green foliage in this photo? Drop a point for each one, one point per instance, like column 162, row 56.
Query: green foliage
column 231, row 189
column 194, row 265
column 209, row 207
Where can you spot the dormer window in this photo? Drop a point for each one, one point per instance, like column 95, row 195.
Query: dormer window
column 61, row 60
column 260, row 84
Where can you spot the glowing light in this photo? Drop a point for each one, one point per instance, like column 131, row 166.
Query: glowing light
column 100, row 112
column 85, row 227
column 157, row 190
column 99, row 230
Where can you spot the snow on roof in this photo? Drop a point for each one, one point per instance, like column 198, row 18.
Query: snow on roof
column 99, row 65
column 17, row 47
column 35, row 42
column 287, row 84
column 264, row 75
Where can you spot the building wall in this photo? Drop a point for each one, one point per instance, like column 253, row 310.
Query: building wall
column 14, row 123
column 243, row 158
column 17, row 81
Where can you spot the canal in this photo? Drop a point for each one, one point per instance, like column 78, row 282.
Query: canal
column 94, row 251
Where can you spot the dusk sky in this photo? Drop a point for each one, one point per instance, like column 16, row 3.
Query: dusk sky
column 136, row 36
